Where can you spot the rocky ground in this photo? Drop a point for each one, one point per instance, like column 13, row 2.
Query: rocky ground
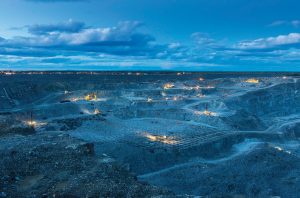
column 150, row 135
column 266, row 171
column 57, row 165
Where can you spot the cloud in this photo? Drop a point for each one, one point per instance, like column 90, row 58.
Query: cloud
column 272, row 43
column 74, row 44
column 69, row 26
column 75, row 36
column 270, row 51
column 174, row 45
column 55, row 45
column 293, row 23
column 202, row 39
column 56, row 60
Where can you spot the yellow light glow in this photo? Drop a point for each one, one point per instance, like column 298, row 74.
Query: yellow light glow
column 163, row 139
column 252, row 80
column 32, row 123
column 168, row 86
column 90, row 97
column 207, row 113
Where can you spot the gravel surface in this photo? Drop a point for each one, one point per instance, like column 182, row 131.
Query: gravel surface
column 56, row 165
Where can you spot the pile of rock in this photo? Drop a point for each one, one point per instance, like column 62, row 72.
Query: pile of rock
column 57, row 165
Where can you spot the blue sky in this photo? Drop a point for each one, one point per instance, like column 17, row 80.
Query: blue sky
column 200, row 35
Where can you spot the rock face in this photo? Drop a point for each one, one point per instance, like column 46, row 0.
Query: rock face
column 10, row 126
column 243, row 120
column 279, row 100
column 59, row 166
column 266, row 171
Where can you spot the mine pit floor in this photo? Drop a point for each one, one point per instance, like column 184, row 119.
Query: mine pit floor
column 211, row 137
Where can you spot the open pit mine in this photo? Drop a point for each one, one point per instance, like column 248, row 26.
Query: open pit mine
column 149, row 134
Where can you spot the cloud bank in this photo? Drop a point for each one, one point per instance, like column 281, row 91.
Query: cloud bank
column 74, row 44
column 293, row 23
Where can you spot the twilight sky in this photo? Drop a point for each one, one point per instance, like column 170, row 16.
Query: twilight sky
column 215, row 35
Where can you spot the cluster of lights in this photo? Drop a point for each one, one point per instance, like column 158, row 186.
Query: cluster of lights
column 252, row 80
column 193, row 88
column 91, row 97
column 32, row 123
column 8, row 73
column 209, row 113
column 206, row 113
column 161, row 138
column 175, row 98
column 168, row 86
column 281, row 149
column 97, row 111
column 74, row 99
column 197, row 87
